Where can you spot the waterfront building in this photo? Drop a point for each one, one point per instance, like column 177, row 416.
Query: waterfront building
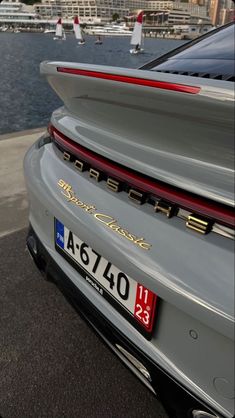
column 214, row 11
column 195, row 9
column 95, row 11
column 13, row 12
column 157, row 13
column 160, row 5
column 198, row 2
column 102, row 11
column 178, row 17
column 226, row 16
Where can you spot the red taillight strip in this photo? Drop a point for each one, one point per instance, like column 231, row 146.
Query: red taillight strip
column 132, row 80
column 185, row 200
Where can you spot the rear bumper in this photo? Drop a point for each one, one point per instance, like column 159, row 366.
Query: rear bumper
column 177, row 400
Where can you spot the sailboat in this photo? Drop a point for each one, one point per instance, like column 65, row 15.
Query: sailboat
column 98, row 41
column 137, row 36
column 77, row 31
column 59, row 32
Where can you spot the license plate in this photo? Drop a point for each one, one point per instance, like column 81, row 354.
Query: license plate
column 132, row 299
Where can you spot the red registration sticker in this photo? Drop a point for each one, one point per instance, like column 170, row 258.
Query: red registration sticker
column 145, row 303
column 134, row 301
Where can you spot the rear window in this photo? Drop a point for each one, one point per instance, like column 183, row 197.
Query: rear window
column 211, row 56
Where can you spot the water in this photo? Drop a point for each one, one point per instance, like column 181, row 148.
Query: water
column 26, row 99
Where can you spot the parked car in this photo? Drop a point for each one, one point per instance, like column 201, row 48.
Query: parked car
column 131, row 197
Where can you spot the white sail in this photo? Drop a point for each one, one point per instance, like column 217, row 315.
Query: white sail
column 77, row 29
column 58, row 31
column 136, row 38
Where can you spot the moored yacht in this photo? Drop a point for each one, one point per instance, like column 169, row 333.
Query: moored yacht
column 112, row 29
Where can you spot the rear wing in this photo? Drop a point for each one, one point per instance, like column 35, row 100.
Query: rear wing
column 174, row 128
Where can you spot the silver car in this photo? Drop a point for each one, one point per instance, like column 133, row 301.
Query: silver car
column 131, row 213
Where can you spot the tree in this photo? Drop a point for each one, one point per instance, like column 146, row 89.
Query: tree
column 115, row 16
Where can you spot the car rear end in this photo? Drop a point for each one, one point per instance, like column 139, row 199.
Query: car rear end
column 131, row 212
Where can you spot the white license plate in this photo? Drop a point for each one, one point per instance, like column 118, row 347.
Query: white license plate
column 135, row 301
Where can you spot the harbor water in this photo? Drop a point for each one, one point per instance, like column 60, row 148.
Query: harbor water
column 26, row 99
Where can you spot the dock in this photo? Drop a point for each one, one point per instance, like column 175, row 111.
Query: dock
column 13, row 196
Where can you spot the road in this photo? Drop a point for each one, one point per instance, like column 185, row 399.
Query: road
column 51, row 363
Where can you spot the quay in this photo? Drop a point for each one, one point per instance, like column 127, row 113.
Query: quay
column 13, row 198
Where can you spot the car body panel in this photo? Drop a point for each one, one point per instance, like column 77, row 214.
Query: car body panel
column 210, row 56
column 187, row 286
column 190, row 156
column 173, row 129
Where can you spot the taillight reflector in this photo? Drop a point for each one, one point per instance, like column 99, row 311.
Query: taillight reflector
column 131, row 80
column 186, row 200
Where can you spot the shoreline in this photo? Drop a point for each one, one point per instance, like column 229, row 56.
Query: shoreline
column 20, row 134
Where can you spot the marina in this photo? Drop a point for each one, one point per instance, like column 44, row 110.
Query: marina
column 171, row 20
column 22, row 53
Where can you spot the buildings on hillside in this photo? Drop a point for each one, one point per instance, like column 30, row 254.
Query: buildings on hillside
column 221, row 11
column 157, row 13
column 15, row 11
column 103, row 10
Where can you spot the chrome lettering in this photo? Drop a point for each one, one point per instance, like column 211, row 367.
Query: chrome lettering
column 67, row 156
column 113, row 185
column 164, row 207
column 138, row 197
column 79, row 165
column 112, row 224
column 99, row 217
column 95, row 174
column 109, row 221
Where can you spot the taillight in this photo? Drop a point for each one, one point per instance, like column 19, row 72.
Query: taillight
column 50, row 129
column 202, row 212
column 182, row 88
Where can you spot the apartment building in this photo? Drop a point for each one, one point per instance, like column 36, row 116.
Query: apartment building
column 98, row 11
column 87, row 10
column 195, row 9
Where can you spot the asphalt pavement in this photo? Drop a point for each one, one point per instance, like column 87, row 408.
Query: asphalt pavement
column 52, row 365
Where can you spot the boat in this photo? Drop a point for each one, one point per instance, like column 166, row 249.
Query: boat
column 59, row 32
column 77, row 31
column 49, row 31
column 113, row 29
column 137, row 39
column 98, row 41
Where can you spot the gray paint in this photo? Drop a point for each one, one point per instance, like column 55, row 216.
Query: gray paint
column 190, row 272
column 182, row 139
column 186, row 141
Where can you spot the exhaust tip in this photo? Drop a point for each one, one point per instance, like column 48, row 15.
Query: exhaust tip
column 32, row 245
column 34, row 251
column 138, row 365
column 202, row 414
